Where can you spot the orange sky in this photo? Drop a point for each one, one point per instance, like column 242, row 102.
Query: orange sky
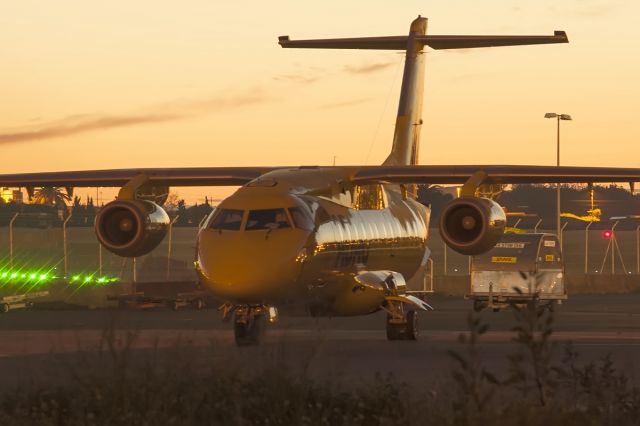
column 92, row 85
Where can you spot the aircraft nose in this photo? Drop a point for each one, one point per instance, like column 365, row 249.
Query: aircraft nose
column 250, row 266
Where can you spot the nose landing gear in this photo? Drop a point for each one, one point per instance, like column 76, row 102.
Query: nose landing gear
column 249, row 321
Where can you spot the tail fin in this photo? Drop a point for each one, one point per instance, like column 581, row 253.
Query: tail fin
column 406, row 137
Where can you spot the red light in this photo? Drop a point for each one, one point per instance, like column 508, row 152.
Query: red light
column 607, row 234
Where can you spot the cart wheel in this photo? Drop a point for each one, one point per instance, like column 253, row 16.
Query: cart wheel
column 478, row 305
column 4, row 308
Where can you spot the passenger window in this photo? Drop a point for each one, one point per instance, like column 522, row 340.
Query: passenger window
column 267, row 219
column 228, row 219
column 301, row 219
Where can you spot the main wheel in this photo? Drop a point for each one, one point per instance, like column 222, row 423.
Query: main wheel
column 395, row 331
column 4, row 308
column 411, row 332
column 406, row 330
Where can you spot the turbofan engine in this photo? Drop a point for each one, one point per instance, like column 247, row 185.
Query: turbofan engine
column 472, row 225
column 131, row 228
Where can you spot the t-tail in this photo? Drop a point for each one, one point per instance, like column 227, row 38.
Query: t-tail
column 406, row 136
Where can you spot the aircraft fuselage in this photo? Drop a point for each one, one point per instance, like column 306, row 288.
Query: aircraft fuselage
column 298, row 236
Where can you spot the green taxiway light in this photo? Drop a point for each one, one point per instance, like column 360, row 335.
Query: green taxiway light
column 92, row 279
column 43, row 276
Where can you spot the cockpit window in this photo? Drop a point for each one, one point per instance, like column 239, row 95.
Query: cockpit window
column 210, row 217
column 228, row 219
column 301, row 219
column 267, row 219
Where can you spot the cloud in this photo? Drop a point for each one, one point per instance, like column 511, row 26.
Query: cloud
column 597, row 9
column 79, row 124
column 345, row 103
column 172, row 111
column 312, row 74
column 300, row 78
column 367, row 68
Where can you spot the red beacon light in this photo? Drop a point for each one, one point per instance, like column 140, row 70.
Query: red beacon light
column 607, row 234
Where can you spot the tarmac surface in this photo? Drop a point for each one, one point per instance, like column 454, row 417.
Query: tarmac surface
column 41, row 345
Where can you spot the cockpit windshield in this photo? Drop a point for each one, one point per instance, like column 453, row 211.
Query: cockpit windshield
column 267, row 219
column 228, row 219
column 301, row 219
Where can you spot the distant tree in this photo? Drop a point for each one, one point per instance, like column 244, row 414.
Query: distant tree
column 172, row 201
column 181, row 211
column 78, row 213
column 52, row 196
column 198, row 212
column 90, row 210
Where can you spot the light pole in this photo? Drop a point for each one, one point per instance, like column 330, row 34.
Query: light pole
column 13, row 219
column 558, row 117
column 64, row 245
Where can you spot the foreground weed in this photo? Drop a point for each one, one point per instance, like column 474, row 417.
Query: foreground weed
column 475, row 386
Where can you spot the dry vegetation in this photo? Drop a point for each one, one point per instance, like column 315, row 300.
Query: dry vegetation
column 177, row 389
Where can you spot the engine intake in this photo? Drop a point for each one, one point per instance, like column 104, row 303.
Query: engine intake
column 472, row 225
column 131, row 228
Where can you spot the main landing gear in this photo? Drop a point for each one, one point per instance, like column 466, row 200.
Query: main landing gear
column 249, row 321
column 402, row 323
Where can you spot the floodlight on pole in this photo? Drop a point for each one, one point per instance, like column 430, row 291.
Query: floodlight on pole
column 558, row 117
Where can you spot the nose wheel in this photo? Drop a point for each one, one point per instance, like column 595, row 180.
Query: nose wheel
column 250, row 323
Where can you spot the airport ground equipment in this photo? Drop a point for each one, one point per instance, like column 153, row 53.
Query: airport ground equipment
column 520, row 268
column 19, row 301
column 195, row 299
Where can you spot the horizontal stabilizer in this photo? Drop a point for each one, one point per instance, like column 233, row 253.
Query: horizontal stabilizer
column 378, row 43
column 468, row 42
column 433, row 41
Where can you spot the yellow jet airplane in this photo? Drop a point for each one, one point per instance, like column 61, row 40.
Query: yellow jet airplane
column 593, row 215
column 336, row 240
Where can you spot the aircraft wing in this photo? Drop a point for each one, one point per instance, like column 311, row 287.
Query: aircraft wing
column 203, row 176
column 458, row 174
column 235, row 176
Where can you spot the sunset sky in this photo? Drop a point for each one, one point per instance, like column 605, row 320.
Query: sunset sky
column 121, row 84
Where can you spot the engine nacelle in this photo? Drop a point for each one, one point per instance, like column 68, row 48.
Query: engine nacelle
column 472, row 225
column 131, row 228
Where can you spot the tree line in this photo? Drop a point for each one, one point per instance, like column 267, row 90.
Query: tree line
column 51, row 206
column 52, row 209
column 540, row 202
